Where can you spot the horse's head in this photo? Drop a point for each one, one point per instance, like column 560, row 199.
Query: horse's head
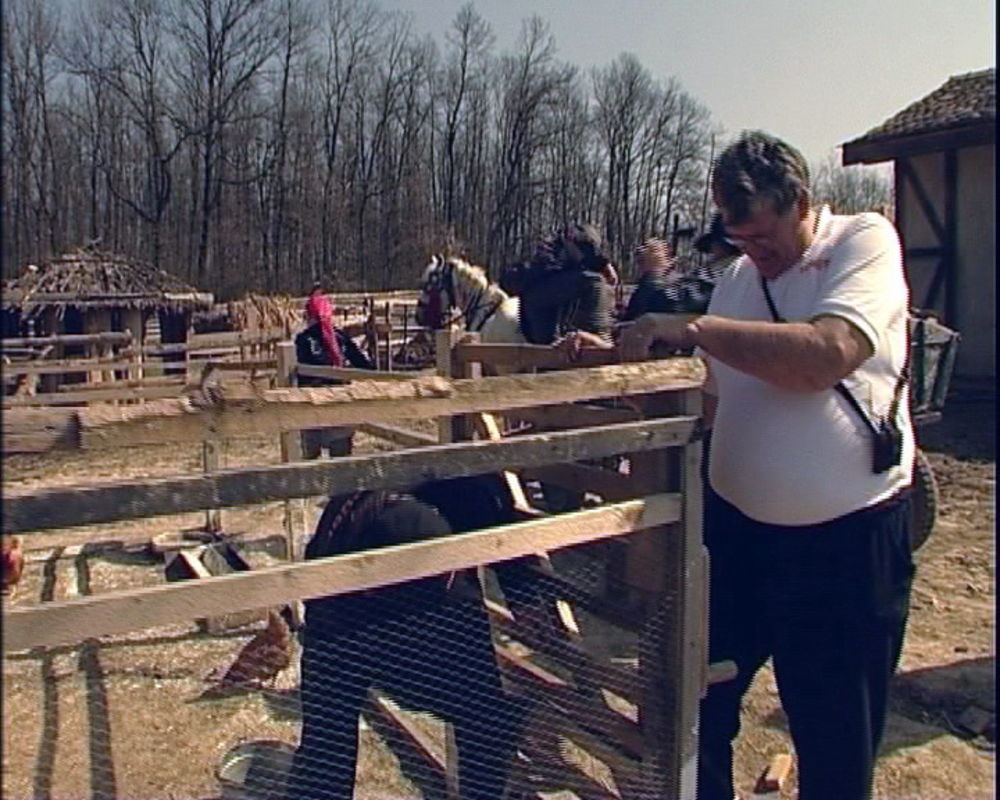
column 437, row 294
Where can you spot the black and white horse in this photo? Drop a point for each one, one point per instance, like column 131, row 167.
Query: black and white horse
column 453, row 289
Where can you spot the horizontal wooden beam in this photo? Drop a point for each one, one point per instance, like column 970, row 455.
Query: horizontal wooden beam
column 585, row 478
column 349, row 374
column 239, row 412
column 123, row 611
column 532, row 356
column 620, row 681
column 46, row 509
column 110, row 337
column 68, row 365
column 573, row 415
column 871, row 151
column 95, row 394
column 176, row 381
column 400, row 435
column 38, row 430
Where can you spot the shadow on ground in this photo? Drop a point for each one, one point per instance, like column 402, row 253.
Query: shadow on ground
column 931, row 702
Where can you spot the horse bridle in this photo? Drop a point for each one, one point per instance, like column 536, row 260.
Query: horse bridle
column 447, row 285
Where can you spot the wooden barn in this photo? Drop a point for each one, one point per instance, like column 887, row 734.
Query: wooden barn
column 943, row 151
column 90, row 291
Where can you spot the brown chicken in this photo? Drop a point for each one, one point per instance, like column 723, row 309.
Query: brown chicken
column 264, row 656
column 12, row 562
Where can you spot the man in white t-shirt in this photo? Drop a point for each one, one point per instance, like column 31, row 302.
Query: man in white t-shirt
column 807, row 508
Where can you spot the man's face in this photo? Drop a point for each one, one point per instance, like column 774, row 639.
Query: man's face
column 773, row 241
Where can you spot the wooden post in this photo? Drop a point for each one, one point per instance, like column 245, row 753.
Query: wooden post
column 388, row 335
column 50, row 326
column 133, row 324
column 668, row 565
column 210, row 461
column 404, row 347
column 444, row 344
column 291, row 450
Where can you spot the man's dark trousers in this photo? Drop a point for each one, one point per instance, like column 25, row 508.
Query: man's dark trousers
column 828, row 603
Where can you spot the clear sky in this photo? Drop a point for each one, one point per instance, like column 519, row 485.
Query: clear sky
column 815, row 73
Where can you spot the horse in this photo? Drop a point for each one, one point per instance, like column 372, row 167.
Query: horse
column 425, row 643
column 452, row 288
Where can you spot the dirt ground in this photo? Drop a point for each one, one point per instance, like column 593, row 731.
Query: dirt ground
column 121, row 718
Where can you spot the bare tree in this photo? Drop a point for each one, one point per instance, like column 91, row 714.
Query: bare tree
column 851, row 189
column 30, row 37
column 528, row 86
column 221, row 47
column 348, row 57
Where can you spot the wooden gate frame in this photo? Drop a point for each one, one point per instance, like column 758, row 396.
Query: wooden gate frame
column 667, row 574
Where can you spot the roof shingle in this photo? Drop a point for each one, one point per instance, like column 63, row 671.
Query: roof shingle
column 963, row 100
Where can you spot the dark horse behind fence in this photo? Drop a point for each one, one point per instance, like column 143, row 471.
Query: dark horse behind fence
column 426, row 643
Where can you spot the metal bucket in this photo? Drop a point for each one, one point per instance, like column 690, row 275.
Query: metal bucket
column 256, row 770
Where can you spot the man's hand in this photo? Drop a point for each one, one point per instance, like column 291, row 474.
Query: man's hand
column 610, row 274
column 636, row 338
column 573, row 343
column 653, row 255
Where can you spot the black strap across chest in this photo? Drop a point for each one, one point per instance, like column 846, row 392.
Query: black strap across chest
column 840, row 388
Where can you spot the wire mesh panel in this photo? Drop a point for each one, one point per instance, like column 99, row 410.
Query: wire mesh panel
column 507, row 657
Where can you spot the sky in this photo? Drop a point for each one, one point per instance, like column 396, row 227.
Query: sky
column 815, row 74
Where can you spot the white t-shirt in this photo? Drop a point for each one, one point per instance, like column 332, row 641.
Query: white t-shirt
column 798, row 458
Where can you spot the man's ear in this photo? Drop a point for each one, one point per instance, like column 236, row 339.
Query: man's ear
column 804, row 203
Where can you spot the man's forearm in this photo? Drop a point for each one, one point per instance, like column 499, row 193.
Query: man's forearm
column 791, row 355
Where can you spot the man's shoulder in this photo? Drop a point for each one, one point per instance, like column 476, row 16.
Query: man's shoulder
column 845, row 226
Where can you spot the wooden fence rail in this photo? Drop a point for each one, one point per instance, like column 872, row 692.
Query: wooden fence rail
column 46, row 509
column 650, row 513
column 124, row 611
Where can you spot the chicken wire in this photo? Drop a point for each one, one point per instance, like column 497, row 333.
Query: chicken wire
column 151, row 714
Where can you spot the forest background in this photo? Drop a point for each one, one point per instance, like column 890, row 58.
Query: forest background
column 266, row 144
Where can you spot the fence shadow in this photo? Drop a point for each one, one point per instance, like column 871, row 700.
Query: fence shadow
column 48, row 740
column 926, row 703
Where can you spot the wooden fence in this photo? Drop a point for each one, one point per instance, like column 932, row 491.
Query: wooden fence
column 641, row 722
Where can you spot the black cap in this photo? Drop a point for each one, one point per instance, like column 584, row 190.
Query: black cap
column 716, row 234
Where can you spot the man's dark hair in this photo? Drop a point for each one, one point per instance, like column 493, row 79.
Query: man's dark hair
column 758, row 166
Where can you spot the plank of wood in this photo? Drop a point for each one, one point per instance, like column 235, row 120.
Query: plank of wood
column 242, row 412
column 773, row 779
column 110, row 337
column 412, row 733
column 555, row 776
column 521, row 357
column 135, row 609
column 585, row 478
column 42, row 509
column 398, row 434
column 348, row 373
column 37, row 430
column 572, row 415
column 553, row 720
column 65, row 365
column 489, row 429
column 158, row 380
column 96, row 394
column 621, row 681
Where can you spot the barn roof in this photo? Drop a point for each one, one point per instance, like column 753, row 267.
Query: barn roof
column 961, row 112
column 89, row 278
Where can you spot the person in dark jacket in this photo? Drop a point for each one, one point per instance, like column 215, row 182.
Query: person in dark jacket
column 321, row 343
column 566, row 287
column 426, row 643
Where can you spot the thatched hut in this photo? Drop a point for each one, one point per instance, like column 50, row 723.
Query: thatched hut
column 90, row 291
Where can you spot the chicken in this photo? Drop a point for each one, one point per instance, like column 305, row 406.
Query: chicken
column 264, row 656
column 12, row 563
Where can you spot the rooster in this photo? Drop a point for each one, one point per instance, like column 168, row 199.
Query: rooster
column 12, row 563
column 263, row 657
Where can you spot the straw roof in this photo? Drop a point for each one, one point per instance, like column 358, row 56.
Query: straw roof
column 89, row 278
